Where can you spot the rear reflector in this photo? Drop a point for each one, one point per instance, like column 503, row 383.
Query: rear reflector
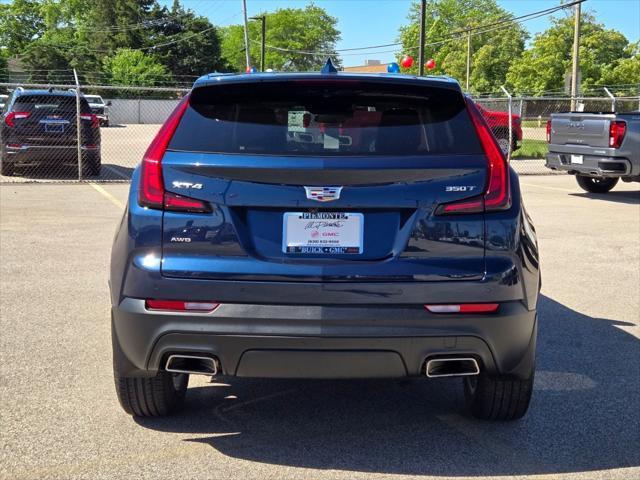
column 497, row 195
column 464, row 308
column 617, row 130
column 180, row 306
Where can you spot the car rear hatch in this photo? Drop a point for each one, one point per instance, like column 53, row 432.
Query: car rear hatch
column 49, row 120
column 582, row 129
column 246, row 198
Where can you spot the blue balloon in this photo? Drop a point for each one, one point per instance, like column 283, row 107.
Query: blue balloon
column 393, row 67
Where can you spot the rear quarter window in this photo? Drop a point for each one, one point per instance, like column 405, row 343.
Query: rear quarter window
column 317, row 118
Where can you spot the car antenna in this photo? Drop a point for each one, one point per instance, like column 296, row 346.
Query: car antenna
column 329, row 67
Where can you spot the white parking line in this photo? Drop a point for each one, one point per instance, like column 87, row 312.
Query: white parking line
column 547, row 188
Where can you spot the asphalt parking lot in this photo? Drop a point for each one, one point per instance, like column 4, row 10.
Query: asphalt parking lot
column 60, row 417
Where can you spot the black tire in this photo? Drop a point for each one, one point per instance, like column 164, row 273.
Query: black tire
column 92, row 167
column 596, row 184
column 495, row 398
column 7, row 169
column 152, row 397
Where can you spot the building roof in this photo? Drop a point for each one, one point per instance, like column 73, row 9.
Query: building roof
column 382, row 68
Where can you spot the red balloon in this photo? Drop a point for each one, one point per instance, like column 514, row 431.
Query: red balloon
column 431, row 64
column 406, row 61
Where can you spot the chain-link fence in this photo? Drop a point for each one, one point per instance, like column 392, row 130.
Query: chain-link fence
column 529, row 117
column 39, row 138
column 55, row 134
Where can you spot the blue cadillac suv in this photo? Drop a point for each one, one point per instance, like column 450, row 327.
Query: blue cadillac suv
column 325, row 225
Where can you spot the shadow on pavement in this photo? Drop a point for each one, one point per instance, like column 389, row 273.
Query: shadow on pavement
column 583, row 417
column 65, row 172
column 620, row 196
column 115, row 172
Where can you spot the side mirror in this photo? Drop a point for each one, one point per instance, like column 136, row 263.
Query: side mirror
column 108, row 103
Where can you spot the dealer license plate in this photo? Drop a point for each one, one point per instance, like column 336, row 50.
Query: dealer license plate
column 328, row 233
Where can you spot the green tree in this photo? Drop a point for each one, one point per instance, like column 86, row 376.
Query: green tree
column 111, row 24
column 446, row 41
column 192, row 42
column 20, row 22
column 623, row 76
column 135, row 68
column 543, row 67
column 4, row 72
column 309, row 29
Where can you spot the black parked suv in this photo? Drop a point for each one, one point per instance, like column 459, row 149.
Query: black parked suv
column 39, row 127
column 325, row 226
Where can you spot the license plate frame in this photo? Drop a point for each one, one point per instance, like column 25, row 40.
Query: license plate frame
column 577, row 159
column 54, row 127
column 336, row 233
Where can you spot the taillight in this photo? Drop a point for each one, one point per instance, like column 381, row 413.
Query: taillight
column 617, row 131
column 180, row 306
column 90, row 117
column 548, row 131
column 497, row 195
column 464, row 308
column 180, row 203
column 9, row 120
column 151, row 193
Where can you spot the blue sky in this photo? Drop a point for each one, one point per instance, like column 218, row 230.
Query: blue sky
column 371, row 22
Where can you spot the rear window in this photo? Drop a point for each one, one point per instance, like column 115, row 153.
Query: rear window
column 49, row 103
column 319, row 118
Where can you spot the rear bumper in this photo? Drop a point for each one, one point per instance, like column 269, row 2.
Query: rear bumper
column 323, row 341
column 592, row 165
column 48, row 154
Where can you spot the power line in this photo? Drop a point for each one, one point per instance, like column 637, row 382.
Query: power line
column 449, row 37
column 151, row 47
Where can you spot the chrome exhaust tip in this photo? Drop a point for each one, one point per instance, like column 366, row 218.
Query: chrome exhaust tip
column 451, row 367
column 192, row 364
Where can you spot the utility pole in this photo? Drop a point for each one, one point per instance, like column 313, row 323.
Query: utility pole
column 246, row 34
column 468, row 56
column 576, row 60
column 423, row 11
column 263, row 19
column 78, row 124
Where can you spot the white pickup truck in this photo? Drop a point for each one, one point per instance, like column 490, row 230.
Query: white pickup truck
column 598, row 148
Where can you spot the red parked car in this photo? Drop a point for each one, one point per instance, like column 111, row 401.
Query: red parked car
column 500, row 126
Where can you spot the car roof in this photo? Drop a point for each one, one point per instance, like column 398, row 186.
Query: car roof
column 386, row 78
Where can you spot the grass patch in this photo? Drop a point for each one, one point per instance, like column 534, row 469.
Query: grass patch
column 531, row 149
column 534, row 123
